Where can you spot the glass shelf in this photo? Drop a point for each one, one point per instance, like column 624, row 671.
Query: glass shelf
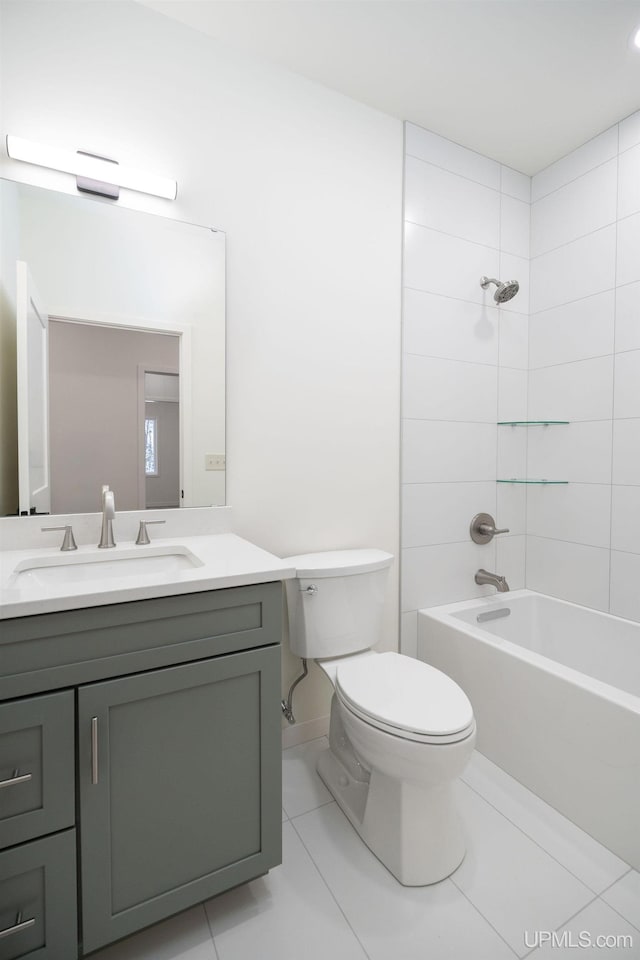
column 514, row 480
column 532, row 423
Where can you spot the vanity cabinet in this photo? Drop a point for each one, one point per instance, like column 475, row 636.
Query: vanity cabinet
column 160, row 758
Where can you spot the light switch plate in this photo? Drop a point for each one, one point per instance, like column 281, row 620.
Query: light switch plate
column 215, row 461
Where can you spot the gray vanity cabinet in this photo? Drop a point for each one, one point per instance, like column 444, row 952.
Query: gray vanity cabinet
column 140, row 743
column 176, row 789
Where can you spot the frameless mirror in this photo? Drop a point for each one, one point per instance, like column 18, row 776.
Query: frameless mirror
column 112, row 335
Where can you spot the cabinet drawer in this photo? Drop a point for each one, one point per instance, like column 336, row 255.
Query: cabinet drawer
column 36, row 767
column 38, row 883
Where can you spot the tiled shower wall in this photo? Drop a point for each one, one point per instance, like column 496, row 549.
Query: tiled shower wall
column 583, row 540
column 464, row 368
column 468, row 364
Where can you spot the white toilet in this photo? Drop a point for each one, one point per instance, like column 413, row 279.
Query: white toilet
column 401, row 731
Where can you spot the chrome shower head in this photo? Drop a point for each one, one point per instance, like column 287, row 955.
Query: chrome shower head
column 504, row 291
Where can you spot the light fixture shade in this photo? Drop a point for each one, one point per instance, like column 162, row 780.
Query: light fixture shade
column 93, row 168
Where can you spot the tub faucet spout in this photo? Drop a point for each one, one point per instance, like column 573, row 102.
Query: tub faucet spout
column 500, row 583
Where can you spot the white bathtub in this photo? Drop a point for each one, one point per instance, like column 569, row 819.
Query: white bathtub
column 555, row 689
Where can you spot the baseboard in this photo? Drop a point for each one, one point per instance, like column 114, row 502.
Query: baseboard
column 308, row 730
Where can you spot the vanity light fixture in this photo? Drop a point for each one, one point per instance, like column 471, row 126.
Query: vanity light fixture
column 93, row 174
column 635, row 39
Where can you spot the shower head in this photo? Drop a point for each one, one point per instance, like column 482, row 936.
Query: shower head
column 504, row 291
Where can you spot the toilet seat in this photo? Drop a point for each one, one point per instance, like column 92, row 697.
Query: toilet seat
column 405, row 697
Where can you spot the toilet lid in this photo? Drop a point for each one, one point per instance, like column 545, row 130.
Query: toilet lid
column 404, row 695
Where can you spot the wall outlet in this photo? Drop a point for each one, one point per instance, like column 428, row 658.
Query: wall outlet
column 215, row 461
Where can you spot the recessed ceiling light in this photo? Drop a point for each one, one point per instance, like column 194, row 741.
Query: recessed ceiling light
column 635, row 39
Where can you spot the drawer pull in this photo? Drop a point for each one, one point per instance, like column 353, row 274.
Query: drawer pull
column 18, row 926
column 13, row 780
column 94, row 749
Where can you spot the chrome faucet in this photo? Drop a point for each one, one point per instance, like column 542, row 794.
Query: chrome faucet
column 500, row 583
column 108, row 514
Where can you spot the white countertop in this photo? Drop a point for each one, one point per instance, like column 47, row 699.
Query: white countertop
column 225, row 561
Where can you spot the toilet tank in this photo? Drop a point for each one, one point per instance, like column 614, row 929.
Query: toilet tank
column 335, row 603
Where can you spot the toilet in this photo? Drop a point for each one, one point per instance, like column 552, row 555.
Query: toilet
column 400, row 730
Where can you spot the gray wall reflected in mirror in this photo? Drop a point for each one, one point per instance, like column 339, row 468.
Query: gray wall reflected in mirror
column 126, row 293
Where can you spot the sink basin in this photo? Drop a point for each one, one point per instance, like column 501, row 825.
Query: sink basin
column 157, row 563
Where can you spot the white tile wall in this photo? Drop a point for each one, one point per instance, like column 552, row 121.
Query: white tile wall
column 451, row 204
column 514, row 226
column 628, row 261
column 567, row 348
column 582, row 206
column 439, row 263
column 515, row 184
column 630, row 131
column 625, row 520
column 590, row 155
column 572, row 391
column 444, row 573
column 514, row 339
column 451, row 156
column 625, row 577
column 626, row 395
column 577, row 512
column 434, row 513
column 439, row 451
column 570, row 571
column 626, row 451
column 628, row 317
column 575, row 270
column 436, row 326
column 629, row 182
column 583, row 540
column 464, row 363
column 579, row 452
column 574, row 331
column 435, row 389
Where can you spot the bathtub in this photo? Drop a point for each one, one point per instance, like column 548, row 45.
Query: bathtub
column 555, row 689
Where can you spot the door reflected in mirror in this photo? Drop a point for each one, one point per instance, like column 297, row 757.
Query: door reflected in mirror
column 113, row 356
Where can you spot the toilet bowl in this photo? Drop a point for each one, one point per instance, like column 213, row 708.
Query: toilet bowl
column 400, row 730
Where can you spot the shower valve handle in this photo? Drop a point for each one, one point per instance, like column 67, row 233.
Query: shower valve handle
column 483, row 528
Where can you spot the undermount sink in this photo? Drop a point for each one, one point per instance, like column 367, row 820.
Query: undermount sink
column 79, row 568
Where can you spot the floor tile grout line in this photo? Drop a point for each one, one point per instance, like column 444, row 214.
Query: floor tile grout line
column 572, row 917
column 213, row 939
column 636, row 926
column 539, row 845
column 479, row 911
column 303, row 813
column 326, row 884
column 613, row 882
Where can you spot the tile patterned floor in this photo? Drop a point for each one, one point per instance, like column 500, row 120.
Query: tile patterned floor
column 531, row 885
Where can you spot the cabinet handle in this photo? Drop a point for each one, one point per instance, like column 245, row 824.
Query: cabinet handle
column 16, row 778
column 18, row 926
column 94, row 749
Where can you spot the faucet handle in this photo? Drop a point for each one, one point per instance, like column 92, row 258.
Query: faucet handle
column 68, row 542
column 483, row 528
column 143, row 536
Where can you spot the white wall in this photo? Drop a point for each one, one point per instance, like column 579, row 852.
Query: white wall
column 307, row 186
column 464, row 368
column 9, row 241
column 583, row 539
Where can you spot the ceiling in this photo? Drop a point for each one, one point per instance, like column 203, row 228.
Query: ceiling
column 521, row 81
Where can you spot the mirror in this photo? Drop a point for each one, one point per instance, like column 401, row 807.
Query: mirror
column 112, row 356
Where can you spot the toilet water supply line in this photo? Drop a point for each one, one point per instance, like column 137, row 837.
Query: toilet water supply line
column 287, row 705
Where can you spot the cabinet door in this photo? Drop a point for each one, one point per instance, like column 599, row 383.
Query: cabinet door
column 38, row 900
column 179, row 788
